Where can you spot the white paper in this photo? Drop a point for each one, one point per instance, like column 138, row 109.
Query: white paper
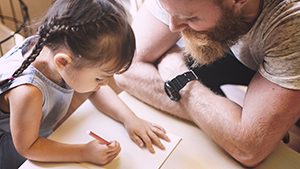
column 87, row 117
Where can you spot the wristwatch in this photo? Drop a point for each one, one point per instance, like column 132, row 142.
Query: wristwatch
column 172, row 87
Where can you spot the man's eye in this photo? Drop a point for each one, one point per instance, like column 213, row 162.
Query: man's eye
column 193, row 19
column 99, row 80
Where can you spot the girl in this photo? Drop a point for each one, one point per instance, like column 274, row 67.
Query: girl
column 80, row 44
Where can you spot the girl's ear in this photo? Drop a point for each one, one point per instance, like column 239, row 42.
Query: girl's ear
column 61, row 60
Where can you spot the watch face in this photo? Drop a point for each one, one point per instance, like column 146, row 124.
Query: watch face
column 171, row 92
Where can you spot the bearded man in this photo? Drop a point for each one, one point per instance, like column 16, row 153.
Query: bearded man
column 246, row 42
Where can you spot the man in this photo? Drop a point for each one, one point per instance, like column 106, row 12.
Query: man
column 249, row 42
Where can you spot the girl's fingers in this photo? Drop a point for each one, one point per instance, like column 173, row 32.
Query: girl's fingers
column 155, row 140
column 158, row 127
column 113, row 146
column 160, row 132
column 135, row 138
column 111, row 155
column 147, row 141
column 114, row 151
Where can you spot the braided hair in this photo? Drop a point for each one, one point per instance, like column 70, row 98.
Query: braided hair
column 95, row 31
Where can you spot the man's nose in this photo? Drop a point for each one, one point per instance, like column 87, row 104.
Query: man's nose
column 104, row 82
column 177, row 24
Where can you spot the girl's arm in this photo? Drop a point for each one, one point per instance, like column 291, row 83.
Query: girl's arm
column 141, row 132
column 25, row 104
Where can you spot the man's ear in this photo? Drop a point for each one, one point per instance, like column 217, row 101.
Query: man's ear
column 61, row 60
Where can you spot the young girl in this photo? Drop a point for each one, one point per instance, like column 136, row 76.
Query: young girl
column 80, row 44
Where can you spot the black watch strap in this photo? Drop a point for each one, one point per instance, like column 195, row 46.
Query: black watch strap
column 181, row 80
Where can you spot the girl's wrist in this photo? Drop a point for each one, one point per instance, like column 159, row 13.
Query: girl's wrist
column 83, row 153
column 128, row 118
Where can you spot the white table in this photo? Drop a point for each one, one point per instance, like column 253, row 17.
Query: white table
column 196, row 150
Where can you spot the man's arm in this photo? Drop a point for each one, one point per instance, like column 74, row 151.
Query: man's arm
column 249, row 134
column 144, row 81
column 154, row 41
column 153, row 37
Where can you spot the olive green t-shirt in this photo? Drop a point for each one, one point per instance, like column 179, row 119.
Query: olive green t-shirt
column 272, row 46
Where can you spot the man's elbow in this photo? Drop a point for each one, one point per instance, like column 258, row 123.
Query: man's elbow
column 249, row 160
column 251, row 157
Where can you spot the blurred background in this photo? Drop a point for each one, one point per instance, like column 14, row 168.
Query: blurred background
column 17, row 15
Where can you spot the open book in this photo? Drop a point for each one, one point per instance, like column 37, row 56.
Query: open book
column 87, row 117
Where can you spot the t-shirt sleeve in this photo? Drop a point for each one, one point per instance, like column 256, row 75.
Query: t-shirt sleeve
column 281, row 64
column 157, row 11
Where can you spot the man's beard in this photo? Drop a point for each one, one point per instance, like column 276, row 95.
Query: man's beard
column 209, row 46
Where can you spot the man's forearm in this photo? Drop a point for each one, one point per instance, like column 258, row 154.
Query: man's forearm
column 143, row 81
column 222, row 120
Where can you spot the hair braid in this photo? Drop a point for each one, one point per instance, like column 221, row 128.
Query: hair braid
column 44, row 35
column 35, row 52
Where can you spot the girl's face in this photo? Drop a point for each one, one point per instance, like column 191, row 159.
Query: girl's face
column 86, row 79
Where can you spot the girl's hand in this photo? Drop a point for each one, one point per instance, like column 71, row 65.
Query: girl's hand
column 144, row 133
column 100, row 154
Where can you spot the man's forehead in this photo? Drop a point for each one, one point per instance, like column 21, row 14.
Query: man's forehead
column 184, row 8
